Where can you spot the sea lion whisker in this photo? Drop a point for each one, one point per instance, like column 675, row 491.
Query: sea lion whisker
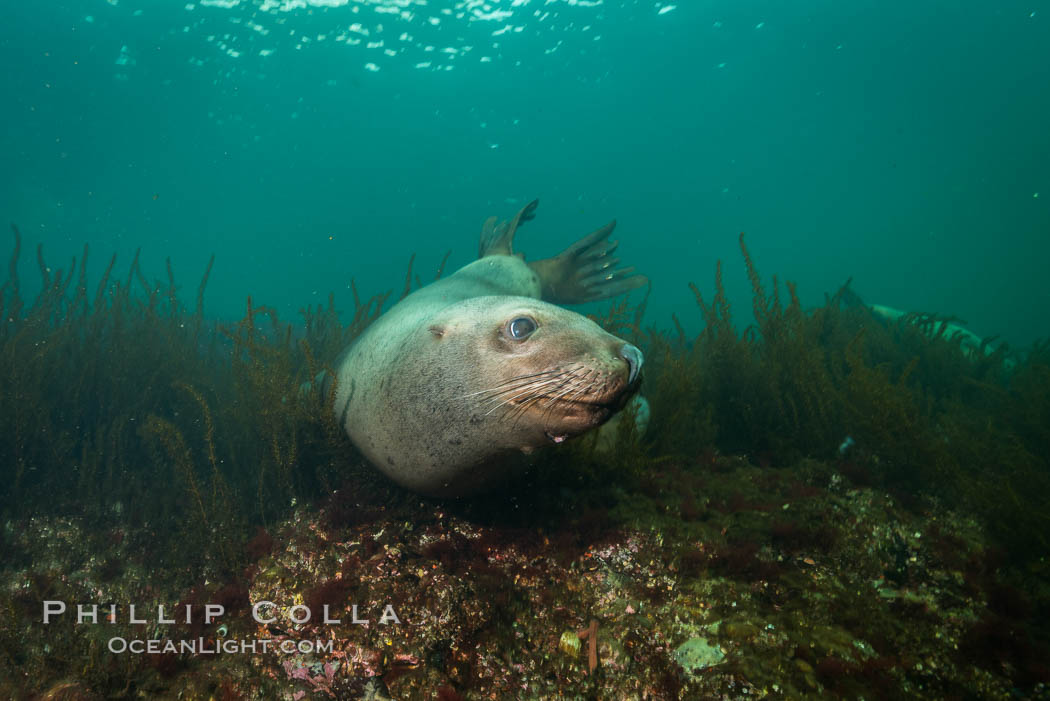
column 526, row 392
column 538, row 391
column 581, row 383
column 515, row 382
column 537, row 388
column 563, row 391
column 553, row 371
column 562, row 382
column 518, row 410
column 527, row 387
column 531, row 386
column 582, row 389
column 503, row 388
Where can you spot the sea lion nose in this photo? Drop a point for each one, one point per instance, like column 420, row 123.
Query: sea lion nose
column 634, row 359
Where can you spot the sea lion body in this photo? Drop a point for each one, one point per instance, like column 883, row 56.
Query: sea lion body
column 446, row 390
column 970, row 343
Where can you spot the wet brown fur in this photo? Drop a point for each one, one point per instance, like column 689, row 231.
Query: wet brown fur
column 442, row 400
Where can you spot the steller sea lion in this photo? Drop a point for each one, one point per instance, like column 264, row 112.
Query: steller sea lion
column 446, row 390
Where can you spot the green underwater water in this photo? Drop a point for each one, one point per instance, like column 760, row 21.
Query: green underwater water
column 903, row 144
column 838, row 503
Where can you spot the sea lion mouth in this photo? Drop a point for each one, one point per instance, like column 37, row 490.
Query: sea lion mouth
column 556, row 438
column 567, row 419
column 606, row 393
column 564, row 417
column 566, row 401
column 611, row 405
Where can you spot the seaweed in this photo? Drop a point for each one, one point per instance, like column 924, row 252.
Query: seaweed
column 927, row 415
column 106, row 397
column 197, row 439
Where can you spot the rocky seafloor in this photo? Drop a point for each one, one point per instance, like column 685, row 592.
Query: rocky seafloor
column 717, row 579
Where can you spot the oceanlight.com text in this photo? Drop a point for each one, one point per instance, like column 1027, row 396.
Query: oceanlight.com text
column 204, row 646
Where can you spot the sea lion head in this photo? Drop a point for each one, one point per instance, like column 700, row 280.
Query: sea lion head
column 534, row 373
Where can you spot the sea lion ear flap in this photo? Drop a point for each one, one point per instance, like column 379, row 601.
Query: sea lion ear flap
column 498, row 239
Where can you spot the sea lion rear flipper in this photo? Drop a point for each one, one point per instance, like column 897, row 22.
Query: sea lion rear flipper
column 497, row 239
column 586, row 271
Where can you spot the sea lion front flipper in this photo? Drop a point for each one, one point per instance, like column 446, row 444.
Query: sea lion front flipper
column 498, row 239
column 586, row 271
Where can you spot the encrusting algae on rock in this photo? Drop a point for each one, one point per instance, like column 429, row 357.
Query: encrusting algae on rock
column 570, row 643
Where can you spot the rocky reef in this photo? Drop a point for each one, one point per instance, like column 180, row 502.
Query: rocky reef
column 826, row 504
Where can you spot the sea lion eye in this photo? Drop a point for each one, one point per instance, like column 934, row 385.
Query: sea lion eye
column 521, row 327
